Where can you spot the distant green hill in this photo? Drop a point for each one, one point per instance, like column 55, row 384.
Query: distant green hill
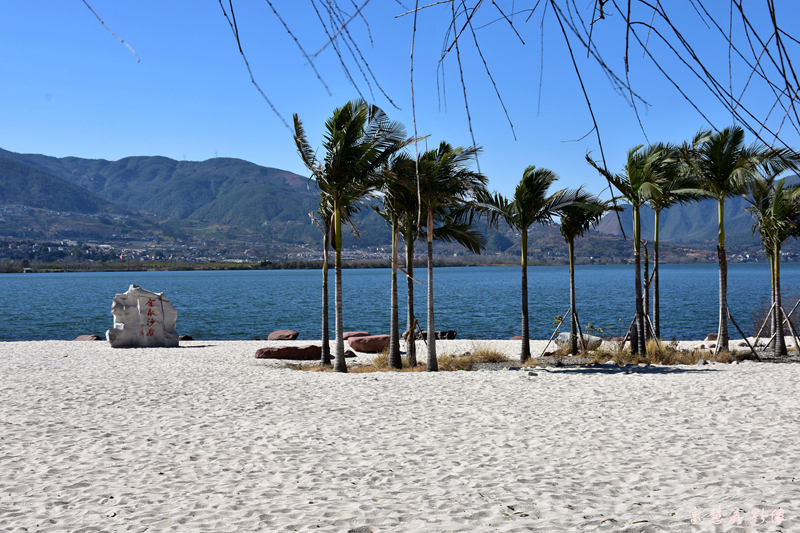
column 273, row 204
column 22, row 184
column 221, row 190
column 691, row 223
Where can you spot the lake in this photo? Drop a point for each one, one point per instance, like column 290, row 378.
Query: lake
column 477, row 302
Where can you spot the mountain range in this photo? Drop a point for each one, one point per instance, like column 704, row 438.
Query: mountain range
column 269, row 203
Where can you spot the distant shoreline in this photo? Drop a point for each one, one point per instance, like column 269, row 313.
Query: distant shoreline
column 49, row 268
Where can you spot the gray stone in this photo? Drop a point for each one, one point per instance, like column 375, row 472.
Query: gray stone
column 532, row 374
column 592, row 342
column 142, row 319
column 702, row 362
column 89, row 338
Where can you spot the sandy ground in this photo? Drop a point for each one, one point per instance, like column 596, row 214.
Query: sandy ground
column 207, row 438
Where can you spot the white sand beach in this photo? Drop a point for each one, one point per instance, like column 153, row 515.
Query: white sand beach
column 206, row 438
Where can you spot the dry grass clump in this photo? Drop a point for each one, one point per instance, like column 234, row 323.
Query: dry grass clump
column 665, row 353
column 467, row 361
column 380, row 363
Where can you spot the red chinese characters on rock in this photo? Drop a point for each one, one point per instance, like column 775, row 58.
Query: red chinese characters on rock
column 150, row 321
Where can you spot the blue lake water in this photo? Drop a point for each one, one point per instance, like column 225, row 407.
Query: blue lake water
column 478, row 302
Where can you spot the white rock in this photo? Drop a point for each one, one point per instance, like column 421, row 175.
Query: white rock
column 592, row 342
column 142, row 319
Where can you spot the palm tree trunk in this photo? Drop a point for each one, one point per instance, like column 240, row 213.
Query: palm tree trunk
column 433, row 364
column 573, row 324
column 394, row 334
column 339, row 364
column 411, row 344
column 780, row 342
column 656, row 300
column 646, row 296
column 771, row 345
column 326, row 344
column 641, row 346
column 722, row 334
column 525, row 349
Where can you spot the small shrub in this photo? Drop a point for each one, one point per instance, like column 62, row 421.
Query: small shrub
column 467, row 361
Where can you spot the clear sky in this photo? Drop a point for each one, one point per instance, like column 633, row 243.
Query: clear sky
column 70, row 89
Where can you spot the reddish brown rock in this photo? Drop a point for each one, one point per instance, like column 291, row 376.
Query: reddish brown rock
column 516, row 338
column 350, row 334
column 283, row 335
column 185, row 338
column 89, row 338
column 293, row 353
column 296, row 353
column 370, row 344
column 711, row 337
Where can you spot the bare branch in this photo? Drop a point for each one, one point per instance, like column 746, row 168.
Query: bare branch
column 247, row 64
column 111, row 32
column 358, row 11
column 310, row 62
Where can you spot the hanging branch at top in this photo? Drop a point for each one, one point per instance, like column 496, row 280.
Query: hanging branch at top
column 302, row 51
column 111, row 32
column 247, row 64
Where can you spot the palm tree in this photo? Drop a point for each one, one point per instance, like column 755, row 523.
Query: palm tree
column 576, row 220
column 530, row 205
column 724, row 167
column 775, row 207
column 323, row 222
column 446, row 229
column 409, row 231
column 638, row 183
column 359, row 139
column 396, row 200
column 446, row 188
column 677, row 186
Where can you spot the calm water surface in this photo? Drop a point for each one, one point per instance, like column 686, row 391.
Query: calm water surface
column 478, row 302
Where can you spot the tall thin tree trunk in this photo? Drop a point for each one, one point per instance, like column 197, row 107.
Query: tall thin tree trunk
column 722, row 334
column 771, row 345
column 641, row 346
column 395, row 360
column 573, row 323
column 646, row 296
column 326, row 343
column 525, row 349
column 780, row 342
column 339, row 363
column 411, row 343
column 656, row 296
column 433, row 364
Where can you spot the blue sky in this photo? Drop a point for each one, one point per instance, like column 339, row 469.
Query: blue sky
column 70, row 89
